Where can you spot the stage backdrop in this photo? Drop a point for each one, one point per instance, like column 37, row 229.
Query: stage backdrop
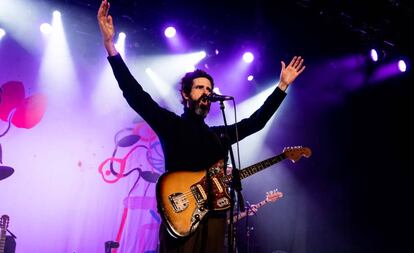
column 79, row 165
column 75, row 179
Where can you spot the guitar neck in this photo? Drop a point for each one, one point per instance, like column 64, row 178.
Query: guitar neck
column 246, row 172
column 2, row 240
column 262, row 203
column 244, row 214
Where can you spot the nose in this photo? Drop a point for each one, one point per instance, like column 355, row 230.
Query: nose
column 205, row 94
column 207, row 91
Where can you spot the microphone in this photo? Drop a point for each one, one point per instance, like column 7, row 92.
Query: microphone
column 213, row 97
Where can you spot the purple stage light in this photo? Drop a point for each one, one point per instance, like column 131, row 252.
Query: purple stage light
column 248, row 57
column 2, row 33
column 170, row 32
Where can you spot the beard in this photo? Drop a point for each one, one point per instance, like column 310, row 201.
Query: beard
column 202, row 110
column 200, row 107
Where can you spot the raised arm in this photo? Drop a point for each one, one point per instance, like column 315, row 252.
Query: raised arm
column 261, row 116
column 289, row 73
column 157, row 117
column 107, row 28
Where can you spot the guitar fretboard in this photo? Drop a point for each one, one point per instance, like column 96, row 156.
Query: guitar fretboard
column 248, row 171
column 244, row 214
column 261, row 166
column 4, row 220
column 2, row 240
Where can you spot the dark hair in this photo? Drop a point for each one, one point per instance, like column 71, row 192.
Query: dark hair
column 187, row 82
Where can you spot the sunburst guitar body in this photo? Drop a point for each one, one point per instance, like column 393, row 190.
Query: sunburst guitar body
column 185, row 197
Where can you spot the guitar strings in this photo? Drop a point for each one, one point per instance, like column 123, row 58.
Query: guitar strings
column 185, row 196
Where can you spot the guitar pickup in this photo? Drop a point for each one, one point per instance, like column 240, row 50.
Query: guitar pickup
column 199, row 193
column 218, row 185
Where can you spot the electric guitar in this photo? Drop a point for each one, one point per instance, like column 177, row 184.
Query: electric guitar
column 4, row 223
column 183, row 196
column 271, row 196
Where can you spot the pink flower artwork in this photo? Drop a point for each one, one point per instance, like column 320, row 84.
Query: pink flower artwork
column 19, row 110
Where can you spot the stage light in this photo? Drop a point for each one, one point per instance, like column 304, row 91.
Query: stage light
column 248, row 57
column 217, row 90
column 250, row 78
column 122, row 35
column 57, row 14
column 402, row 66
column 170, row 32
column 57, row 70
column 374, row 55
column 163, row 87
column 120, row 44
column 189, row 68
column 378, row 54
column 175, row 42
column 46, row 28
column 2, row 33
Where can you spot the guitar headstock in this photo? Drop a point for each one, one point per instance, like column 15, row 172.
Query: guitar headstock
column 4, row 222
column 273, row 195
column 295, row 153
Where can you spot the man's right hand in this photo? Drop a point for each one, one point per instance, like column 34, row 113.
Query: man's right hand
column 107, row 28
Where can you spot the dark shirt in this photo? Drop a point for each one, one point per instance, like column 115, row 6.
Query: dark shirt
column 187, row 142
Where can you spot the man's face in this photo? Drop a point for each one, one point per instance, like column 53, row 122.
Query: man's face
column 197, row 100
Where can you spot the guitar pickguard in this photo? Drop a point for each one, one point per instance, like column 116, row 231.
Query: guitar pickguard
column 222, row 202
column 220, row 194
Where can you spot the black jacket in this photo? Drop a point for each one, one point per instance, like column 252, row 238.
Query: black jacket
column 187, row 142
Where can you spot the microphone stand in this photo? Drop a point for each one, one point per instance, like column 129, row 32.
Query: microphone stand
column 235, row 186
column 248, row 229
column 11, row 233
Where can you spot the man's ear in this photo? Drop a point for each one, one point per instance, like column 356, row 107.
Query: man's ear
column 185, row 95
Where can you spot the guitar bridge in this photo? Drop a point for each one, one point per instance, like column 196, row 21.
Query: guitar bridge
column 178, row 201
